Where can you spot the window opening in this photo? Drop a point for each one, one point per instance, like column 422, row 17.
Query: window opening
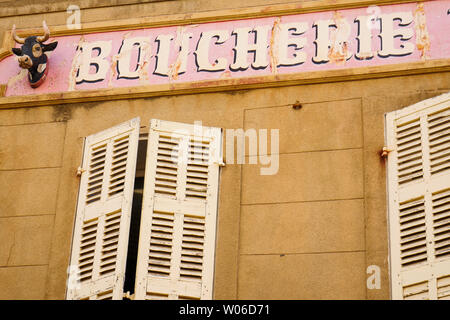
column 133, row 242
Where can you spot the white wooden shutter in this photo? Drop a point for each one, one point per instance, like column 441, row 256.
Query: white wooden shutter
column 419, row 199
column 178, row 223
column 100, row 239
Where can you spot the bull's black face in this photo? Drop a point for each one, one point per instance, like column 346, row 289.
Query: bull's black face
column 32, row 57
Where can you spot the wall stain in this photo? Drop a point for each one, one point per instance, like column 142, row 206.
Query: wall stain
column 423, row 43
column 62, row 113
column 338, row 51
column 274, row 45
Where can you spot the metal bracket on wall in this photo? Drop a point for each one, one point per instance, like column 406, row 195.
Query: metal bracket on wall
column 80, row 171
column 385, row 152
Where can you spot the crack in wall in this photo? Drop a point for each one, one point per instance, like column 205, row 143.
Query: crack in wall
column 274, row 45
column 11, row 248
column 75, row 65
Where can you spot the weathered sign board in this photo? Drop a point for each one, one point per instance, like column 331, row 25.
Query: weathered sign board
column 241, row 49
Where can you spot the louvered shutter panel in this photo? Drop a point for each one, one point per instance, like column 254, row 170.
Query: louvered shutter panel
column 178, row 223
column 419, row 199
column 100, row 239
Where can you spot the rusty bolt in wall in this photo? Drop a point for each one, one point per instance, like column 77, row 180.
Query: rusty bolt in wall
column 297, row 105
column 384, row 152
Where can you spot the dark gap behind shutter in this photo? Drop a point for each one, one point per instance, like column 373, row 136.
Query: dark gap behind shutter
column 130, row 273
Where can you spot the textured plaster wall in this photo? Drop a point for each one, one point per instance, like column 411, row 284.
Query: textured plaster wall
column 308, row 232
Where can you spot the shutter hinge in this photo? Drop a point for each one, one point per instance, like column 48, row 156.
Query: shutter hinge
column 80, row 171
column 128, row 295
column 385, row 151
column 221, row 163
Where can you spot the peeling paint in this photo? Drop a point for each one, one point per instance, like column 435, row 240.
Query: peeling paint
column 274, row 45
column 17, row 78
column 142, row 67
column 114, row 59
column 293, row 46
column 75, row 65
column 365, row 56
column 113, row 67
column 338, row 51
column 422, row 37
column 226, row 75
column 175, row 67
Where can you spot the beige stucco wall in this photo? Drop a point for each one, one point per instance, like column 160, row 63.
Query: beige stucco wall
column 308, row 232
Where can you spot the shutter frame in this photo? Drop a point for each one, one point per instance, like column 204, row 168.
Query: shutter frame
column 104, row 211
column 413, row 205
column 187, row 216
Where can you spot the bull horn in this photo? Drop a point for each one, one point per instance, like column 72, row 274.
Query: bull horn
column 16, row 37
column 46, row 33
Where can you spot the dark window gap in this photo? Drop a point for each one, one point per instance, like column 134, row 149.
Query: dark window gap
column 133, row 240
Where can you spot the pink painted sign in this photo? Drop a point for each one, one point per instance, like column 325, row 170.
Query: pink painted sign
column 332, row 40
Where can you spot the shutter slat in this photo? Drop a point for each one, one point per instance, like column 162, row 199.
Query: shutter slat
column 402, row 127
column 443, row 288
column 97, row 155
column 441, row 223
column 409, row 146
column 166, row 166
column 439, row 137
column 414, row 151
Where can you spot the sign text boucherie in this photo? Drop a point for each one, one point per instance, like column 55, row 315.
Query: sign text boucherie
column 330, row 40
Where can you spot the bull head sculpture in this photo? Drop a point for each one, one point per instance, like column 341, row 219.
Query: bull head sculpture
column 32, row 55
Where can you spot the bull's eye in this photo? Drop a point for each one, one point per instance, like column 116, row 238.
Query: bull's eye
column 37, row 50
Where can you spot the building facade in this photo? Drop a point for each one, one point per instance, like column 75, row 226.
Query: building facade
column 226, row 150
